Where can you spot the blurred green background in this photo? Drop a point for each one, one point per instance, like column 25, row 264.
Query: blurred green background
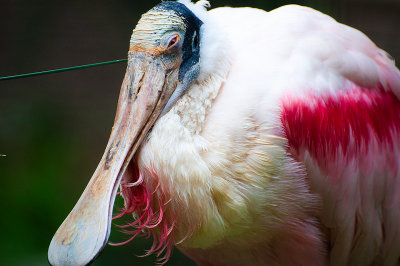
column 54, row 128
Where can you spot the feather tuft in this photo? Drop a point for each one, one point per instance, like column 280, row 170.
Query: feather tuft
column 149, row 213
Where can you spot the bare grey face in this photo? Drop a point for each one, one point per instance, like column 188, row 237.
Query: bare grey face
column 172, row 24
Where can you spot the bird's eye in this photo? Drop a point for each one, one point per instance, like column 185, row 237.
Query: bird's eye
column 172, row 42
column 195, row 42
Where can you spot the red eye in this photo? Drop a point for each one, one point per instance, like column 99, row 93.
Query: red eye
column 173, row 41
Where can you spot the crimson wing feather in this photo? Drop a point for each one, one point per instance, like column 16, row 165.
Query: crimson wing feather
column 349, row 143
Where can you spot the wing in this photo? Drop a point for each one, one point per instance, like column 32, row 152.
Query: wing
column 336, row 97
column 345, row 128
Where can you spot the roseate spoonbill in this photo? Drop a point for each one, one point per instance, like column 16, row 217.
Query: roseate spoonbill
column 247, row 137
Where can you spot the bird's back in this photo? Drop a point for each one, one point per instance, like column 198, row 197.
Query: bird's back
column 313, row 103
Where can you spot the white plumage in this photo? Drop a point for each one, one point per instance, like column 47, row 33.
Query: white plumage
column 235, row 186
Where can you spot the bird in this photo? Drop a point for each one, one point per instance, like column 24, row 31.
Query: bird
column 247, row 137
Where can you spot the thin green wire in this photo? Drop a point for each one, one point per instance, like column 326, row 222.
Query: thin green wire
column 61, row 69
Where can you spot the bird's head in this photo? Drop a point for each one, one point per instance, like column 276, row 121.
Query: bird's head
column 165, row 44
column 164, row 60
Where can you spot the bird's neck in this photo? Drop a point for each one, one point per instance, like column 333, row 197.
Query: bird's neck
column 215, row 62
column 171, row 159
column 172, row 168
column 193, row 107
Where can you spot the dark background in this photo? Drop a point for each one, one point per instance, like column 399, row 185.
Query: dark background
column 54, row 128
